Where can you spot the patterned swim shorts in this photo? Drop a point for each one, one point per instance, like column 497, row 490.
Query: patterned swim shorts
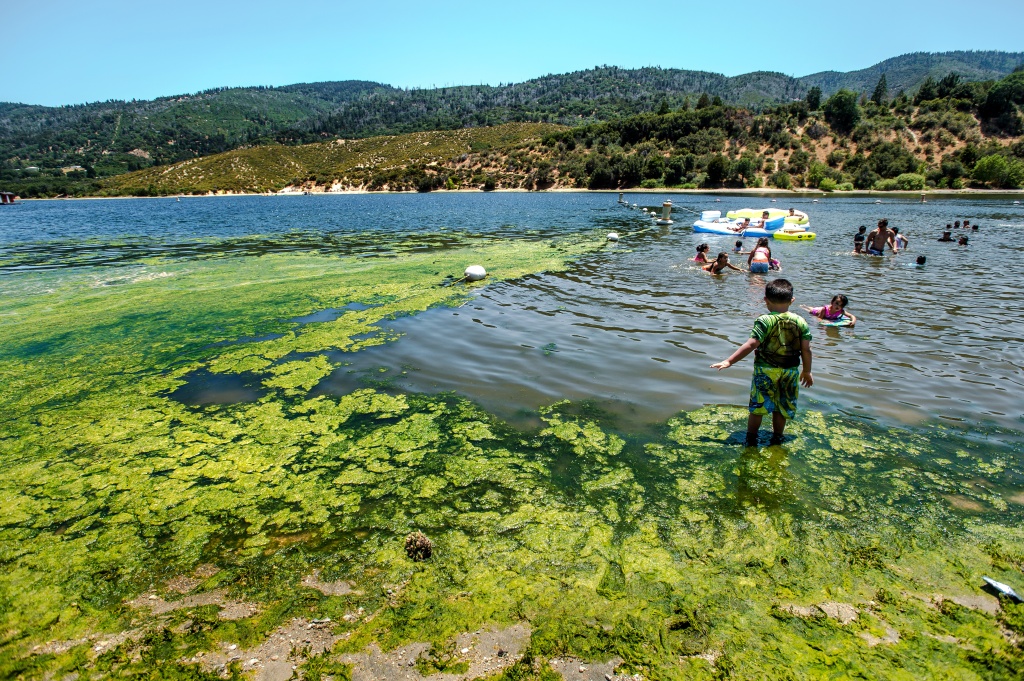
column 774, row 390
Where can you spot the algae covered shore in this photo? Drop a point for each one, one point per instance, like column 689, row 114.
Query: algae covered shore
column 143, row 536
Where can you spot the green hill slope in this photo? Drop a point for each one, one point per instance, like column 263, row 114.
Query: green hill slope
column 908, row 71
column 406, row 162
column 110, row 138
column 961, row 135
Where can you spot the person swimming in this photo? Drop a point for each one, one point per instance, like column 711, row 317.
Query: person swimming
column 738, row 249
column 833, row 312
column 720, row 264
column 921, row 260
column 962, row 241
column 946, row 235
column 702, row 254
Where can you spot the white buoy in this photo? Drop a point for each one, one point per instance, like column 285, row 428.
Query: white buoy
column 613, row 236
column 773, row 200
column 666, row 213
column 814, row 200
column 1016, row 203
column 475, row 273
column 878, row 200
column 620, row 198
column 718, row 200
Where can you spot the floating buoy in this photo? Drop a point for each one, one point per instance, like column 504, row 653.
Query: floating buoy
column 475, row 273
column 814, row 200
column 1016, row 203
column 718, row 200
column 613, row 236
column 773, row 200
column 878, row 200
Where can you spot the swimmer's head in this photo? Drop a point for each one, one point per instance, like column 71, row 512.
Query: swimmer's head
column 956, row 223
column 723, row 257
column 840, row 301
column 702, row 248
column 884, row 222
column 895, row 230
column 921, row 259
column 739, row 243
column 963, row 241
column 762, row 241
column 764, row 214
column 778, row 291
column 862, row 229
column 974, row 228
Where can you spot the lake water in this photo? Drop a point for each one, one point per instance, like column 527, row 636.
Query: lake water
column 634, row 328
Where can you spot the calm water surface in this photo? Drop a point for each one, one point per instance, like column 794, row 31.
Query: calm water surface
column 634, row 328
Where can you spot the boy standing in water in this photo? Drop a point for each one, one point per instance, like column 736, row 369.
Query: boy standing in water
column 780, row 340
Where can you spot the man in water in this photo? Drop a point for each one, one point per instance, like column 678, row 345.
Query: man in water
column 946, row 235
column 879, row 237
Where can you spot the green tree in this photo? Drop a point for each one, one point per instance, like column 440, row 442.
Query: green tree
column 841, row 111
column 927, row 92
column 704, row 101
column 813, row 98
column 663, row 108
column 881, row 92
column 718, row 166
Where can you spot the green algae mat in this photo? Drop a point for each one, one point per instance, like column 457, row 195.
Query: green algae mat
column 849, row 551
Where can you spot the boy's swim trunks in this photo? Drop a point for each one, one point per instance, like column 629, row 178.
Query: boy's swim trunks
column 774, row 389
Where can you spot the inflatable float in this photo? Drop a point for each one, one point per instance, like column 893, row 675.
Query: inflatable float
column 798, row 218
column 712, row 222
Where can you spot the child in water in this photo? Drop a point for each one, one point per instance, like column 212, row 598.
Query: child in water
column 720, row 264
column 702, row 254
column 738, row 250
column 834, row 311
column 921, row 260
column 780, row 341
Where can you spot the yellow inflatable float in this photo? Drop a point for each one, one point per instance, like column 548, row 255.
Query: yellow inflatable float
column 797, row 218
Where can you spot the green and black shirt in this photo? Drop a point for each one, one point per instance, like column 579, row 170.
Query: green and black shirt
column 780, row 335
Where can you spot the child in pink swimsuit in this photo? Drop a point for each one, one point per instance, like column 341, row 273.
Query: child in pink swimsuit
column 834, row 311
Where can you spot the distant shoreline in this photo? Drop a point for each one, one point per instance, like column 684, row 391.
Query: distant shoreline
column 797, row 193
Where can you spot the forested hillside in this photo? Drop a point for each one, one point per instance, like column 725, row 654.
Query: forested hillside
column 953, row 134
column 56, row 147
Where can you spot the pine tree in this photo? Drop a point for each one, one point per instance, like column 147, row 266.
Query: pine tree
column 881, row 92
column 813, row 98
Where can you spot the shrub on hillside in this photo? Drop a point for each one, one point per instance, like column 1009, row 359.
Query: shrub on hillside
column 781, row 180
column 998, row 171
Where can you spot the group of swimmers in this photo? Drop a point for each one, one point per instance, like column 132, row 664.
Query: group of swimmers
column 948, row 232
column 759, row 260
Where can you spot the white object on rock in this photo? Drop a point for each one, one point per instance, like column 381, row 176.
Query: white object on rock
column 613, row 236
column 475, row 273
column 1002, row 588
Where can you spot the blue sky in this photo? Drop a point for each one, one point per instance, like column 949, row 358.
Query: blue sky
column 65, row 52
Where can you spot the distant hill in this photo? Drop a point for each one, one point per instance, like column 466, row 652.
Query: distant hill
column 908, row 71
column 110, row 138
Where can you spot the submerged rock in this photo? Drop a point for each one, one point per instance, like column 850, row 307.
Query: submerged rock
column 418, row 546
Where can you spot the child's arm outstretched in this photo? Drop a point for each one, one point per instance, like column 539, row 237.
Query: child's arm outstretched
column 729, row 264
column 853, row 320
column 741, row 352
column 806, row 380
